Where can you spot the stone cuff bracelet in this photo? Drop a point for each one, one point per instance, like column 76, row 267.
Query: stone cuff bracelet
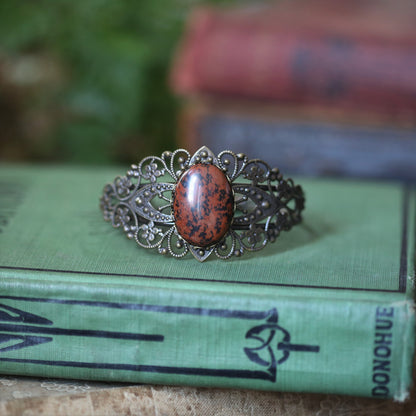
column 224, row 204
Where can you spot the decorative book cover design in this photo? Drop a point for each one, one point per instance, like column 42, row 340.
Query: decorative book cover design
column 326, row 308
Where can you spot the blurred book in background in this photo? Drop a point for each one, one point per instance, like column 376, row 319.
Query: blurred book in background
column 317, row 87
column 302, row 140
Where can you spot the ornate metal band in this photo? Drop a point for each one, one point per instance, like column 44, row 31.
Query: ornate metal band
column 203, row 204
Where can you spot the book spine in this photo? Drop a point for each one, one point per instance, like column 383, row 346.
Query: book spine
column 193, row 337
column 222, row 55
column 306, row 147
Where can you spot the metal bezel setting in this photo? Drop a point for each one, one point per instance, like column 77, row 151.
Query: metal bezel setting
column 141, row 203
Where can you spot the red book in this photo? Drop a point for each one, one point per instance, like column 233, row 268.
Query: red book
column 355, row 54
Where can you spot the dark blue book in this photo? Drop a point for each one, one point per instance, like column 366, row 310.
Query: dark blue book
column 308, row 147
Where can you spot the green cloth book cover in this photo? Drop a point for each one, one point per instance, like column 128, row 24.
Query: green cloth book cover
column 327, row 308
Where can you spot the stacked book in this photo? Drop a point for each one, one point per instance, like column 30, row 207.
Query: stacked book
column 317, row 88
column 327, row 309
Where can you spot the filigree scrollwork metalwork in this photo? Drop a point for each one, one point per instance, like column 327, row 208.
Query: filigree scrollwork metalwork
column 141, row 203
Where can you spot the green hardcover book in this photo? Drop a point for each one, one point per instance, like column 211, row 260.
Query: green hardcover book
column 327, row 308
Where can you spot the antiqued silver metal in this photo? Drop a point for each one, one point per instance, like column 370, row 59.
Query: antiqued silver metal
column 141, row 203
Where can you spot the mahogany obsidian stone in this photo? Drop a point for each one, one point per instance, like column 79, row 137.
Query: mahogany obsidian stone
column 203, row 205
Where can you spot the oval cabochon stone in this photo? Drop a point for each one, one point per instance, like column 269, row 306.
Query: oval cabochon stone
column 203, row 205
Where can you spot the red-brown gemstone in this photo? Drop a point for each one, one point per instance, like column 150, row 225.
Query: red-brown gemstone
column 203, row 205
